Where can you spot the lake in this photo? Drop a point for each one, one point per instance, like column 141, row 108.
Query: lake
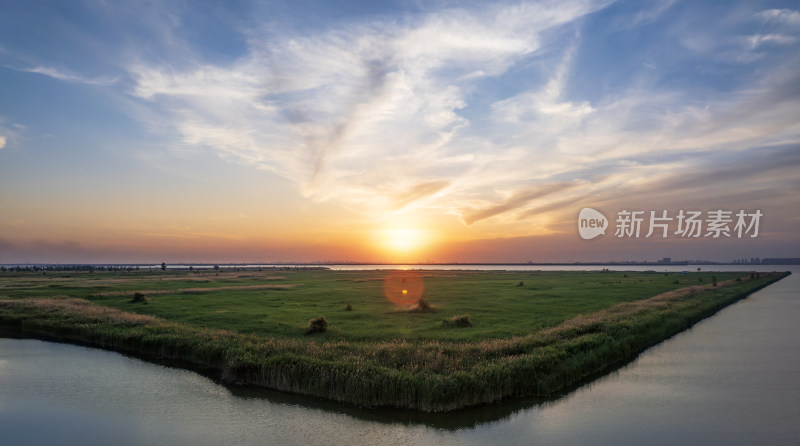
column 731, row 379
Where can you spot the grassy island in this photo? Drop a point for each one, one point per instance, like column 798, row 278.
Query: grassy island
column 476, row 337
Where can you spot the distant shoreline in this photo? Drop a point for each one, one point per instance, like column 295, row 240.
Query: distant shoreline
column 181, row 265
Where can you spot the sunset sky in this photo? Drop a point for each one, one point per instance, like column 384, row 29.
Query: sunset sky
column 403, row 131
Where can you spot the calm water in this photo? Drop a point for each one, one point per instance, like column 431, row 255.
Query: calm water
column 731, row 379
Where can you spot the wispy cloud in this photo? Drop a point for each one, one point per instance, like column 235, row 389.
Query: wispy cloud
column 388, row 116
column 778, row 39
column 518, row 200
column 68, row 77
column 365, row 114
column 10, row 133
column 787, row 16
column 647, row 14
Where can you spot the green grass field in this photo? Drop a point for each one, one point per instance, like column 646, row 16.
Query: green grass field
column 497, row 305
column 526, row 334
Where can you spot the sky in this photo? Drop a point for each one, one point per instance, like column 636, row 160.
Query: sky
column 399, row 131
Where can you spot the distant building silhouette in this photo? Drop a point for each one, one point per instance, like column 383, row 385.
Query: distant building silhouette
column 781, row 261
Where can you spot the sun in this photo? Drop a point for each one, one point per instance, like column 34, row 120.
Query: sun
column 403, row 240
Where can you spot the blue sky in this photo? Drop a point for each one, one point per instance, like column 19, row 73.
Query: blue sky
column 132, row 130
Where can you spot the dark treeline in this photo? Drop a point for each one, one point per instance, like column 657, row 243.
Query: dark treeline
column 163, row 267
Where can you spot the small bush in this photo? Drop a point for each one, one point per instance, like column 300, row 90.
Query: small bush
column 676, row 282
column 521, row 284
column 317, row 325
column 422, row 306
column 348, row 308
column 714, row 279
column 139, row 298
column 461, row 320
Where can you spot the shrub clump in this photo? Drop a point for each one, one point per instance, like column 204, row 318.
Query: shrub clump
column 461, row 320
column 348, row 308
column 139, row 298
column 422, row 306
column 317, row 325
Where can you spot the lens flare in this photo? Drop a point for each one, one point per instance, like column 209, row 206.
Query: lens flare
column 403, row 288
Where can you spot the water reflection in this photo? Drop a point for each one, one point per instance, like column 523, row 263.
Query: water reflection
column 455, row 420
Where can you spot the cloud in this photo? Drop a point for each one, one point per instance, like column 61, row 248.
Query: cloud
column 67, row 77
column 420, row 191
column 547, row 103
column 388, row 116
column 517, row 200
column 360, row 114
column 644, row 16
column 644, row 137
column 786, row 16
column 779, row 39
column 10, row 134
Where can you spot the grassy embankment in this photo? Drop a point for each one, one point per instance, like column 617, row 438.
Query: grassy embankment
column 529, row 333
